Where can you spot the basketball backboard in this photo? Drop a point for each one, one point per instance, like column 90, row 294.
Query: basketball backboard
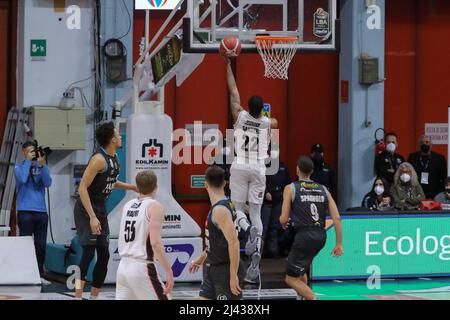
column 313, row 22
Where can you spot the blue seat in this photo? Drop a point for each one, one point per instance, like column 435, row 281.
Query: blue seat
column 59, row 257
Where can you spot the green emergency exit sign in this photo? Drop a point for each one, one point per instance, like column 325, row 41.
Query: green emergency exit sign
column 38, row 48
column 197, row 182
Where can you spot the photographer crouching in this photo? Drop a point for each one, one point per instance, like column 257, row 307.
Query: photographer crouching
column 32, row 177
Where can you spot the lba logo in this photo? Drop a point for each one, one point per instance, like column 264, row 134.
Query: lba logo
column 152, row 149
column 155, row 4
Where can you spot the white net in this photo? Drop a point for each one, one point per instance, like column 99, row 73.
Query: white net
column 277, row 54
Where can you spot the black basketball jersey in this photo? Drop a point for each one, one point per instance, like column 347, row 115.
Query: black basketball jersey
column 216, row 243
column 309, row 204
column 103, row 183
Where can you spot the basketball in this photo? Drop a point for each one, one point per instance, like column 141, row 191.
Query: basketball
column 230, row 47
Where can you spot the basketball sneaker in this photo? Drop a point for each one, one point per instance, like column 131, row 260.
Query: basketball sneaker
column 252, row 275
column 252, row 243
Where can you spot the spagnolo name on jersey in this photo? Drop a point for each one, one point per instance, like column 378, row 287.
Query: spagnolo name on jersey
column 312, row 198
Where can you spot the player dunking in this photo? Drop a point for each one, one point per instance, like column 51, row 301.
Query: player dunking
column 310, row 203
column 248, row 179
column 91, row 218
column 140, row 243
column 223, row 272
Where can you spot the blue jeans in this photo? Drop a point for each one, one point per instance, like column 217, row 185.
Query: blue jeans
column 270, row 216
column 35, row 224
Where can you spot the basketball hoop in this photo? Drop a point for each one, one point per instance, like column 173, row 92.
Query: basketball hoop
column 277, row 54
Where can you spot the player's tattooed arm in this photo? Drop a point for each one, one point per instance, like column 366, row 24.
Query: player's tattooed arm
column 286, row 208
column 235, row 99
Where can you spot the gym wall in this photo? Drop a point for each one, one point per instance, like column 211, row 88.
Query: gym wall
column 7, row 52
column 417, row 69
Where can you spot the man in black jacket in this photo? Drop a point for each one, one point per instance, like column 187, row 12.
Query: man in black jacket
column 271, row 210
column 431, row 168
column 322, row 173
column 387, row 162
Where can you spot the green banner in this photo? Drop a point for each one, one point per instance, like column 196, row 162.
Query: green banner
column 397, row 246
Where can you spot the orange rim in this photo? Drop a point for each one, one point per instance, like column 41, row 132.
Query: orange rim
column 273, row 38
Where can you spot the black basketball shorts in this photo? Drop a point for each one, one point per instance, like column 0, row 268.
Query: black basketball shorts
column 307, row 244
column 216, row 282
column 87, row 238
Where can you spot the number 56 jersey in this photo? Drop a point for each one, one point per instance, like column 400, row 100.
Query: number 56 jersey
column 134, row 234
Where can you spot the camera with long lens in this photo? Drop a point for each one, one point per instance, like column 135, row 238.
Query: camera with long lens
column 39, row 151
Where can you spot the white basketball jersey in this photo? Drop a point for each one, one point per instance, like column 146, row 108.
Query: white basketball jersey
column 252, row 138
column 134, row 234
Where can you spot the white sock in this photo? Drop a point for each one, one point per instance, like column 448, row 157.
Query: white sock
column 255, row 218
column 242, row 221
column 93, row 297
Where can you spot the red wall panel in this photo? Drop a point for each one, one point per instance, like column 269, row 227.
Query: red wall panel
column 400, row 86
column 417, row 67
column 3, row 64
column 433, row 65
column 202, row 97
column 313, row 107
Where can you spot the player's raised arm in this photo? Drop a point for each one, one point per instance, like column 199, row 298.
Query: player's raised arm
column 273, row 123
column 235, row 100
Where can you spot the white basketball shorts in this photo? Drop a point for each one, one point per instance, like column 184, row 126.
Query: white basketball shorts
column 138, row 280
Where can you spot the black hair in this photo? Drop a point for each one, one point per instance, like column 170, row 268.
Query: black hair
column 255, row 106
column 215, row 176
column 305, row 165
column 385, row 183
column 104, row 134
column 390, row 134
column 28, row 144
column 447, row 181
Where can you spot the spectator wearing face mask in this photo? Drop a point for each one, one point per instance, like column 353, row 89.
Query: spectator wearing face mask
column 444, row 197
column 379, row 198
column 406, row 190
column 322, row 173
column 387, row 162
column 430, row 166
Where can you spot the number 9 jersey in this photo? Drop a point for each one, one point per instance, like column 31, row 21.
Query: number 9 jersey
column 309, row 204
